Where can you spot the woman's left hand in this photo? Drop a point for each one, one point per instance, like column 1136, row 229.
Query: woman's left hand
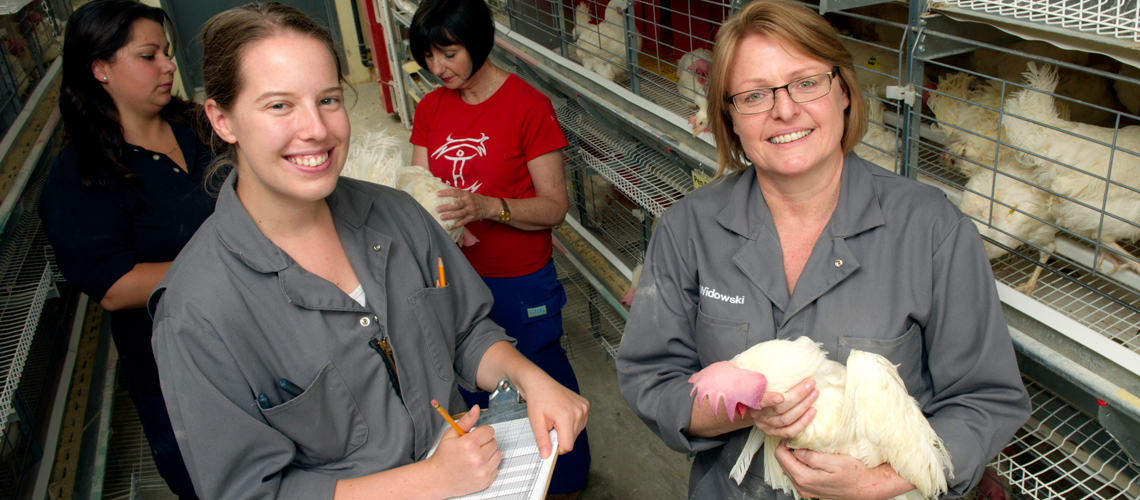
column 467, row 207
column 819, row 475
column 551, row 405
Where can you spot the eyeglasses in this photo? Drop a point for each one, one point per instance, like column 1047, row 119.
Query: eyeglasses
column 801, row 90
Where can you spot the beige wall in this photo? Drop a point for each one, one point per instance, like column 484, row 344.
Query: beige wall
column 357, row 73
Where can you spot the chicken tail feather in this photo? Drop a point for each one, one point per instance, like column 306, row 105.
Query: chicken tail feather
column 744, row 461
column 876, row 394
column 735, row 385
column 774, row 475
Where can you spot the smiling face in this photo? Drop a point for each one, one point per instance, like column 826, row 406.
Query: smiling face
column 141, row 74
column 288, row 122
column 792, row 139
column 452, row 64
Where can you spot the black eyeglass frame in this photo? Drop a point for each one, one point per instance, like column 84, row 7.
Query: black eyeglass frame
column 831, row 75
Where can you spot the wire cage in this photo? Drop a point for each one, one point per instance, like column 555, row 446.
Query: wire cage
column 30, row 34
column 1062, row 452
column 1037, row 146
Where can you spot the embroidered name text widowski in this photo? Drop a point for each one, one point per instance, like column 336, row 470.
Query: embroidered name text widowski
column 712, row 294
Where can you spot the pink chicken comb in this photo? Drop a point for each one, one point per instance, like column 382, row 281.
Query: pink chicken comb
column 740, row 388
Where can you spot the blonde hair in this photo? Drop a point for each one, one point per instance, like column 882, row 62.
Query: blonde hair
column 799, row 28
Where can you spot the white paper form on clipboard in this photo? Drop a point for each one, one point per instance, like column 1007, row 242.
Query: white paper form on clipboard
column 523, row 473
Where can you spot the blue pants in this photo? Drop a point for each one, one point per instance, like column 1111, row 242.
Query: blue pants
column 155, row 421
column 529, row 308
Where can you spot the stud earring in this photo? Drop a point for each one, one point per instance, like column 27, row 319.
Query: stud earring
column 104, row 78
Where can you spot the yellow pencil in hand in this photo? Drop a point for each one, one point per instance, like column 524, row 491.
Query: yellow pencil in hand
column 435, row 404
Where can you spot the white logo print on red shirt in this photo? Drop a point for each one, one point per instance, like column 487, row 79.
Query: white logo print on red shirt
column 456, row 150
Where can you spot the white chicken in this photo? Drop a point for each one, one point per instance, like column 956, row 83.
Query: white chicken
column 969, row 119
column 880, row 144
column 863, row 410
column 1020, row 217
column 692, row 75
column 1076, row 159
column 601, row 47
column 375, row 157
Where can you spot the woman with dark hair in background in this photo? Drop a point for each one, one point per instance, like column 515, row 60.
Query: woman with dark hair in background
column 497, row 142
column 126, row 193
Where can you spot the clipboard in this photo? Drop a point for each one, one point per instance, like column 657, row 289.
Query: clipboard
column 523, row 473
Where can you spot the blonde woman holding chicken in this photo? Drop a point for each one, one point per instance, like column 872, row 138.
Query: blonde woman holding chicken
column 800, row 237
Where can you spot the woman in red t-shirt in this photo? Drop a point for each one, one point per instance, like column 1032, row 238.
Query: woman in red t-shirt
column 497, row 142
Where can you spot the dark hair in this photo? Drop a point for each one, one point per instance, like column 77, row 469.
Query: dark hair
column 97, row 31
column 439, row 23
column 224, row 40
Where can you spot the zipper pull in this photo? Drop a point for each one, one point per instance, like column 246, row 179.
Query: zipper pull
column 384, row 349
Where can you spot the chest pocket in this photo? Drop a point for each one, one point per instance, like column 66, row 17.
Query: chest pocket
column 435, row 313
column 719, row 339
column 904, row 351
column 324, row 421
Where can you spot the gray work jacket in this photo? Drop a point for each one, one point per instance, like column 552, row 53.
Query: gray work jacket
column 235, row 314
column 898, row 271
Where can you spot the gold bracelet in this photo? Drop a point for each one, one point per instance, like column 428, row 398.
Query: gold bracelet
column 505, row 213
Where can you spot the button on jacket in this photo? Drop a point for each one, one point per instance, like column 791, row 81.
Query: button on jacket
column 235, row 315
column 897, row 271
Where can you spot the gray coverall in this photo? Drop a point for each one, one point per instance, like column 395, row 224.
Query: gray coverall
column 235, row 314
column 898, row 271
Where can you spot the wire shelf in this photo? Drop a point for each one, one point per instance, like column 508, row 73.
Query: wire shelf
column 1112, row 18
column 589, row 324
column 130, row 466
column 605, row 211
column 27, row 276
column 1062, row 452
column 1087, row 307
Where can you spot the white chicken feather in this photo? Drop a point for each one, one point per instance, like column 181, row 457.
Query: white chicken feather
column 879, row 144
column 692, row 74
column 1081, row 147
column 1021, row 216
column 375, row 157
column 601, row 47
column 968, row 118
column 863, row 410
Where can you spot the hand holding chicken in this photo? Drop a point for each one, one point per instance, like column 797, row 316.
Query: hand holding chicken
column 861, row 410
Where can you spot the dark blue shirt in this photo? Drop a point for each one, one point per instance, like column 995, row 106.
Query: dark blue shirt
column 100, row 233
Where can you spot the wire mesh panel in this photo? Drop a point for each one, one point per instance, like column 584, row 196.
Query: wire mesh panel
column 1041, row 145
column 589, row 325
column 1111, row 18
column 1062, row 452
column 130, row 466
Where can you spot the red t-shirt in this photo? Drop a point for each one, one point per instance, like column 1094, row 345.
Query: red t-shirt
column 484, row 148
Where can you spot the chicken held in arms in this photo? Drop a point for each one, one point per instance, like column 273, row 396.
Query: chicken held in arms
column 863, row 410
column 375, row 157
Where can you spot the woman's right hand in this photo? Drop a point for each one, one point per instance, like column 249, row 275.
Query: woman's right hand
column 786, row 415
column 467, row 463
